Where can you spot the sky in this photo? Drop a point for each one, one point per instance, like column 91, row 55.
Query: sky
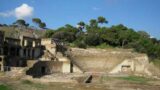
column 137, row 14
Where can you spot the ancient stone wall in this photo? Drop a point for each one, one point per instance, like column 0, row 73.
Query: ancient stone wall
column 111, row 61
column 41, row 68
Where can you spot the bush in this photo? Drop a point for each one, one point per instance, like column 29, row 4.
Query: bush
column 103, row 45
column 49, row 33
column 92, row 39
column 64, row 36
column 81, row 45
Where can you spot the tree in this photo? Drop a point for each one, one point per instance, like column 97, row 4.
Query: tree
column 42, row 25
column 81, row 25
column 126, row 36
column 93, row 23
column 81, row 44
column 20, row 22
column 36, row 20
column 92, row 39
column 39, row 22
column 119, row 27
column 143, row 34
column 110, row 36
column 64, row 36
column 102, row 20
column 49, row 33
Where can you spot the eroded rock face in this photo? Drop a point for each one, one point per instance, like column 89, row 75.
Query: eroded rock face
column 112, row 61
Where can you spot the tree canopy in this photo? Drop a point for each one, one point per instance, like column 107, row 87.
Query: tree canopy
column 39, row 22
column 115, row 36
column 21, row 22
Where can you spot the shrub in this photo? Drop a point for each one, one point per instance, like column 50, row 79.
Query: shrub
column 81, row 45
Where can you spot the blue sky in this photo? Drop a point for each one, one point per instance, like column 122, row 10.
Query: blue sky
column 136, row 14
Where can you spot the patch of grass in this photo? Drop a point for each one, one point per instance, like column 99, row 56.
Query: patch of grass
column 106, row 78
column 135, row 79
column 4, row 87
column 33, row 84
column 72, row 45
column 38, row 85
column 27, row 82
column 103, row 46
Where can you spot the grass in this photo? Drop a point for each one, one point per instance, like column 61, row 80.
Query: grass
column 32, row 84
column 4, row 87
column 106, row 78
column 127, row 79
column 101, row 46
column 135, row 79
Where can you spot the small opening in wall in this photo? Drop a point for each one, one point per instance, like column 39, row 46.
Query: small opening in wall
column 0, row 59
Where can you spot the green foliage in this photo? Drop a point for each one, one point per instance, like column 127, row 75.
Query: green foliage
column 114, row 36
column 36, row 20
column 81, row 23
column 21, row 22
column 4, row 87
column 81, row 44
column 39, row 22
column 92, row 39
column 49, row 33
column 110, row 36
column 64, row 36
column 93, row 23
column 102, row 20
column 143, row 34
column 135, row 79
column 42, row 25
column 103, row 46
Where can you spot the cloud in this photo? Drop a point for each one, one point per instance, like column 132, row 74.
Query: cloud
column 96, row 8
column 20, row 12
column 23, row 11
column 6, row 14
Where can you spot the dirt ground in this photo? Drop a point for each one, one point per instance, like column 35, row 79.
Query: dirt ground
column 105, row 84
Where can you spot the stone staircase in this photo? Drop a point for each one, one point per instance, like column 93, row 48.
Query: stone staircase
column 51, row 48
column 47, row 56
column 75, row 63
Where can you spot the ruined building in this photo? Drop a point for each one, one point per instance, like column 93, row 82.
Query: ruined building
column 14, row 52
column 40, row 56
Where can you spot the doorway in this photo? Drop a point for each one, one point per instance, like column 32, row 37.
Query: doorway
column 43, row 70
